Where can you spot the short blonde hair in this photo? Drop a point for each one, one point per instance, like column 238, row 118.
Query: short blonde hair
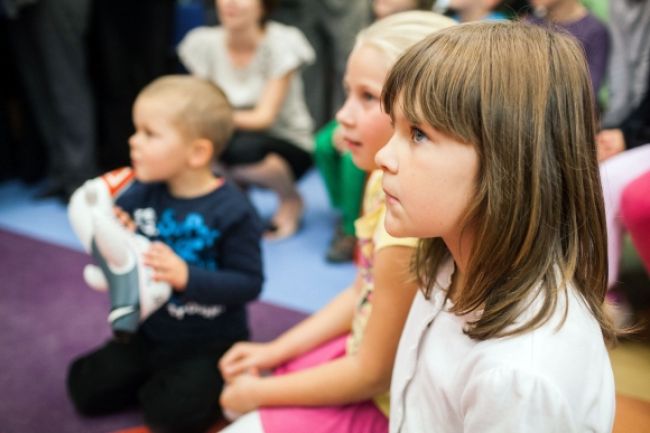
column 202, row 109
column 395, row 33
column 521, row 95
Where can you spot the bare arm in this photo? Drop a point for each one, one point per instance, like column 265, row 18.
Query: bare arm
column 357, row 377
column 331, row 321
column 266, row 111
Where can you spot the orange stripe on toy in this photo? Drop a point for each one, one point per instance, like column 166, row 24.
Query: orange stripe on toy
column 117, row 180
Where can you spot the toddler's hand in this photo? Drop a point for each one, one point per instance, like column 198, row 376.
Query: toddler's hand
column 239, row 396
column 609, row 142
column 124, row 218
column 166, row 265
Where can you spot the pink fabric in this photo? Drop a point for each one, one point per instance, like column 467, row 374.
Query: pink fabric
column 616, row 174
column 635, row 213
column 351, row 418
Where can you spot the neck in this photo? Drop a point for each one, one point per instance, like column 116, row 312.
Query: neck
column 473, row 14
column 460, row 247
column 193, row 183
column 244, row 39
column 566, row 12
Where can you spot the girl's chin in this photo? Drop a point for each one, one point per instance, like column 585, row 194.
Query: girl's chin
column 362, row 163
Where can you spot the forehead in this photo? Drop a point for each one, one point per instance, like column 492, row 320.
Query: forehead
column 366, row 64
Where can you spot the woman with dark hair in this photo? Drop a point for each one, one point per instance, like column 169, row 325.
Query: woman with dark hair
column 257, row 63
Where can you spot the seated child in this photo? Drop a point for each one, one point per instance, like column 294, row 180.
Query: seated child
column 206, row 246
column 493, row 163
column 332, row 371
column 344, row 181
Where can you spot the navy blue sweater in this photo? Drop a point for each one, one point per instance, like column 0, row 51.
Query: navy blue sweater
column 218, row 235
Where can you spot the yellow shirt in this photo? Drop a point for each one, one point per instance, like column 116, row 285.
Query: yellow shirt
column 372, row 237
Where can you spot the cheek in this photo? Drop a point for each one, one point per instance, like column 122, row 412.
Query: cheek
column 378, row 130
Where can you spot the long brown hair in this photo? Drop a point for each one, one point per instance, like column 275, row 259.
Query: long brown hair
column 521, row 95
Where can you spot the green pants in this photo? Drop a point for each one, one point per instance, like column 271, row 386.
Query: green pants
column 344, row 181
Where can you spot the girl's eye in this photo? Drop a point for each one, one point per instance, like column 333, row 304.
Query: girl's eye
column 367, row 96
column 417, row 135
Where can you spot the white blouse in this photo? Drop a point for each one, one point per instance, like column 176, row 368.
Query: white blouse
column 283, row 49
column 552, row 379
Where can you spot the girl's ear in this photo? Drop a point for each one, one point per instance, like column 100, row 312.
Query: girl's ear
column 201, row 152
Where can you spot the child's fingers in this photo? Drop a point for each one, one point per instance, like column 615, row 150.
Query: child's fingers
column 234, row 362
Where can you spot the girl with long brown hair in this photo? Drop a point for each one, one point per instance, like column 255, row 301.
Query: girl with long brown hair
column 493, row 164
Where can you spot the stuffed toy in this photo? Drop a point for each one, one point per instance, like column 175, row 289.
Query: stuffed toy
column 133, row 293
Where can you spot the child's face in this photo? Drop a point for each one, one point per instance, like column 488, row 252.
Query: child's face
column 159, row 150
column 383, row 8
column 429, row 180
column 364, row 126
column 237, row 14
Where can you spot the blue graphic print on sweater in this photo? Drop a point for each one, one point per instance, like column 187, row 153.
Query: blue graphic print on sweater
column 188, row 238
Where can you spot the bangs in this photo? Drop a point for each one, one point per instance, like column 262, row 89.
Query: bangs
column 434, row 84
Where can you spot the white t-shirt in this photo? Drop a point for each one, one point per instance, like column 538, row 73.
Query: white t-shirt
column 546, row 380
column 203, row 52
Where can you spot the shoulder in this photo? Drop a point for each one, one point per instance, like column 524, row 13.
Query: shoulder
column 137, row 194
column 202, row 34
column 589, row 28
column 275, row 29
column 288, row 41
column 199, row 43
column 236, row 206
column 507, row 399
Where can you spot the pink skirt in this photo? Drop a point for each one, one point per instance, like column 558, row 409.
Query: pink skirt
column 362, row 417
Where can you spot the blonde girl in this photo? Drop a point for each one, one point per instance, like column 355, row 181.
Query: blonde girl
column 332, row 371
column 493, row 163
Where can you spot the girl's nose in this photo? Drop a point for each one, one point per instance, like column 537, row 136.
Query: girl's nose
column 385, row 158
column 345, row 115
column 133, row 140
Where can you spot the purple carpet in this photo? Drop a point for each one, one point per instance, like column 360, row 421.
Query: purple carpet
column 48, row 316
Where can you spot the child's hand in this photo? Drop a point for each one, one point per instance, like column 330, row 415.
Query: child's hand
column 247, row 358
column 239, row 396
column 609, row 142
column 124, row 218
column 166, row 265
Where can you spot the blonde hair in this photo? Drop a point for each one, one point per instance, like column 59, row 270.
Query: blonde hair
column 395, row 33
column 521, row 95
column 201, row 108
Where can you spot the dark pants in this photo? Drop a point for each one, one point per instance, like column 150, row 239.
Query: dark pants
column 176, row 385
column 49, row 42
column 248, row 147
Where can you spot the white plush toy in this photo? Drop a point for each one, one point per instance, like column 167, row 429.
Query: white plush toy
column 118, row 252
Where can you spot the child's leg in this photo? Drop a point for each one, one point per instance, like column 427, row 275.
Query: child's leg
column 182, row 395
column 108, row 379
column 616, row 173
column 635, row 212
column 328, row 161
column 362, row 417
column 249, row 423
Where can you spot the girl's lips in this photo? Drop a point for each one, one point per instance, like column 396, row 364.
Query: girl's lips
column 390, row 198
column 351, row 143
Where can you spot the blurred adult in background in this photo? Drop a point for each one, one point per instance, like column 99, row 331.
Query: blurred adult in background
column 48, row 38
column 130, row 46
column 330, row 26
column 626, row 121
column 19, row 139
column 573, row 17
column 257, row 63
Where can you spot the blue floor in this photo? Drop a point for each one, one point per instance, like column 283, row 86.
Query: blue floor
column 297, row 276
